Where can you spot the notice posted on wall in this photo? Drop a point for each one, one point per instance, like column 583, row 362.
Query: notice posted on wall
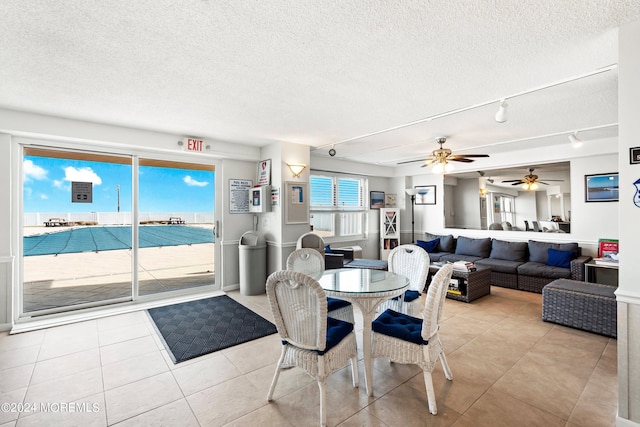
column 297, row 195
column 81, row 192
column 239, row 195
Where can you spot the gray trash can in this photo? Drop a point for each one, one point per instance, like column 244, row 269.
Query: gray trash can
column 253, row 263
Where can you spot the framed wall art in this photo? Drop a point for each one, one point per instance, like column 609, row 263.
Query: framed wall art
column 426, row 195
column 601, row 187
column 376, row 199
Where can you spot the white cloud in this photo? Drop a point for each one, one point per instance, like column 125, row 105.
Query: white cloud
column 193, row 183
column 43, row 196
column 81, row 175
column 59, row 184
column 33, row 171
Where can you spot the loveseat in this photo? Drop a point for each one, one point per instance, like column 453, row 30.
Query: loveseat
column 527, row 266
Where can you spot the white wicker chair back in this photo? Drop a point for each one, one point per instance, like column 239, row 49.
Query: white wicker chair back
column 311, row 240
column 411, row 261
column 436, row 295
column 306, row 260
column 299, row 306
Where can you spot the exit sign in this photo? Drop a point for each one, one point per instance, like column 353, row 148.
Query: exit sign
column 191, row 144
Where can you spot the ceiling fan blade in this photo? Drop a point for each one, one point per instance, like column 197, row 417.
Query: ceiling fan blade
column 556, row 180
column 410, row 161
column 429, row 162
column 460, row 159
column 473, row 155
column 516, row 183
column 514, row 180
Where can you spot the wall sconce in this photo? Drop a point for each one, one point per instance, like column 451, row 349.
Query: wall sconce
column 296, row 169
column 483, row 192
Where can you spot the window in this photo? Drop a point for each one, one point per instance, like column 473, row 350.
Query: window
column 338, row 206
column 504, row 208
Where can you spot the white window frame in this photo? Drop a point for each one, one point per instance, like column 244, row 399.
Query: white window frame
column 339, row 216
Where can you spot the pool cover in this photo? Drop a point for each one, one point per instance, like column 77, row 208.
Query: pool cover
column 95, row 239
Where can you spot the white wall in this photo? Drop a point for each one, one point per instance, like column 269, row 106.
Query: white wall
column 628, row 293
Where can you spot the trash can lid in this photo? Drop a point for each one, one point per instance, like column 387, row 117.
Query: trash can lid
column 251, row 238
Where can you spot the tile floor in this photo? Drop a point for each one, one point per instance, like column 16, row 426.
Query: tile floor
column 509, row 367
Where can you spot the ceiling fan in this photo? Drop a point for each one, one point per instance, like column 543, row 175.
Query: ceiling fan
column 442, row 156
column 530, row 181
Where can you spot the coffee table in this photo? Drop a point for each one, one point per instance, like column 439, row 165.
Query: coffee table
column 473, row 284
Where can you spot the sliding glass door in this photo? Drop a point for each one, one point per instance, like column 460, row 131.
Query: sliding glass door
column 176, row 232
column 102, row 229
column 77, row 230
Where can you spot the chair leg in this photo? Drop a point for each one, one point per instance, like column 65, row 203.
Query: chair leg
column 431, row 394
column 445, row 367
column 323, row 414
column 276, row 375
column 354, row 371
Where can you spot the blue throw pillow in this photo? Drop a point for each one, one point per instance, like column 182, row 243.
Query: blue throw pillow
column 429, row 246
column 557, row 258
column 327, row 249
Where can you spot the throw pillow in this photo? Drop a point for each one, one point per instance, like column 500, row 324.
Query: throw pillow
column 447, row 242
column 429, row 246
column 327, row 249
column 557, row 258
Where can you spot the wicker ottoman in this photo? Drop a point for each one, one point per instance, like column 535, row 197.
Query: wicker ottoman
column 588, row 306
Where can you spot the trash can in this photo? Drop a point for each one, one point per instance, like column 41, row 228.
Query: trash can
column 253, row 264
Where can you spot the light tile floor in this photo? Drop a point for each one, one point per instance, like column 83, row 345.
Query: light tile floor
column 509, row 368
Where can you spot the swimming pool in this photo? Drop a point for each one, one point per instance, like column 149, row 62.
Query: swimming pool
column 108, row 238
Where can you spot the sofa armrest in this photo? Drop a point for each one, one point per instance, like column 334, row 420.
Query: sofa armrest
column 577, row 267
column 333, row 260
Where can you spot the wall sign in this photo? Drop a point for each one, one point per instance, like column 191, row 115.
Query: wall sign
column 81, row 192
column 264, row 172
column 239, row 195
column 634, row 154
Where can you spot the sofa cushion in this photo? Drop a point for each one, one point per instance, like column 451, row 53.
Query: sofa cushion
column 537, row 269
column 437, row 256
column 399, row 325
column 475, row 247
column 456, row 257
column 509, row 251
column 558, row 258
column 538, row 251
column 327, row 249
column 500, row 265
column 429, row 246
column 447, row 242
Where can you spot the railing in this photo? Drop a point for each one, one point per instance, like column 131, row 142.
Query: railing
column 33, row 219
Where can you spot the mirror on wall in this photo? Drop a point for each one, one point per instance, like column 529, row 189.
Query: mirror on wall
column 534, row 198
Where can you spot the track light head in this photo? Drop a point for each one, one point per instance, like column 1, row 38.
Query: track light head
column 575, row 141
column 501, row 115
column 332, row 152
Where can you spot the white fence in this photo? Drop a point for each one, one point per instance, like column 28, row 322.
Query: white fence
column 115, row 218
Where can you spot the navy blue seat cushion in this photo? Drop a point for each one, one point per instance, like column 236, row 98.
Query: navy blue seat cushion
column 474, row 247
column 336, row 331
column 335, row 303
column 537, row 269
column 327, row 249
column 411, row 296
column 557, row 258
column 401, row 326
column 429, row 246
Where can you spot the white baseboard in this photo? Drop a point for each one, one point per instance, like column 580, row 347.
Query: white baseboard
column 623, row 422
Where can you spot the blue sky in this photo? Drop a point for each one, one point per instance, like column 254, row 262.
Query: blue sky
column 47, row 187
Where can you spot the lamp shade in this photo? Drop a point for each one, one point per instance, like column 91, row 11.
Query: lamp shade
column 411, row 191
column 296, row 169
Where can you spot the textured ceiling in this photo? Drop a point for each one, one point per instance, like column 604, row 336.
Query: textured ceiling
column 321, row 72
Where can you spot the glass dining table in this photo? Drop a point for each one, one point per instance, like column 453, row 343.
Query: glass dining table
column 366, row 289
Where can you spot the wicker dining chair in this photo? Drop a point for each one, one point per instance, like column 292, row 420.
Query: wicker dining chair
column 310, row 262
column 413, row 262
column 310, row 340
column 411, row 340
column 311, row 240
